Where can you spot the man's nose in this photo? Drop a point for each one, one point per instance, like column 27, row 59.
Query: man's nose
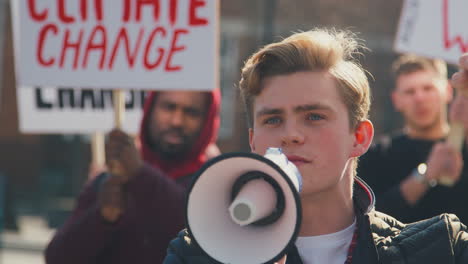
column 177, row 118
column 420, row 95
column 292, row 135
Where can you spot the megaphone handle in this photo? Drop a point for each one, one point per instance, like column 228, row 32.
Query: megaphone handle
column 455, row 138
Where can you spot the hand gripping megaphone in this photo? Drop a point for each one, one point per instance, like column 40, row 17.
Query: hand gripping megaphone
column 245, row 208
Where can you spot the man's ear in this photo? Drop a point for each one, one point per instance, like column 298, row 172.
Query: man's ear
column 363, row 135
column 251, row 143
column 395, row 100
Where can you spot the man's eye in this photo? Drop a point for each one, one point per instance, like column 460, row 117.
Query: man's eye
column 409, row 92
column 272, row 121
column 168, row 107
column 192, row 112
column 314, row 117
column 428, row 88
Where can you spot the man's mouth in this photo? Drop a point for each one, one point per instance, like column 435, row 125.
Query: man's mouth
column 173, row 138
column 297, row 160
column 422, row 109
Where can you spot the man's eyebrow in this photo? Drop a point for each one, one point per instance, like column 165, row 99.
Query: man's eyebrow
column 269, row 111
column 193, row 109
column 299, row 108
column 309, row 107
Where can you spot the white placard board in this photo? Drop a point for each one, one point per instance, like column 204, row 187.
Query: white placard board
column 124, row 44
column 58, row 110
column 434, row 28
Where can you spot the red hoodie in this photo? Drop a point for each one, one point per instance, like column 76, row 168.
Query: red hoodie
column 154, row 210
column 197, row 156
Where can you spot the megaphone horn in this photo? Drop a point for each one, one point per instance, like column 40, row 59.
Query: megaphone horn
column 245, row 208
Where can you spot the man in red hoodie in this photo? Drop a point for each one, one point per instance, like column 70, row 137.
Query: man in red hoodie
column 131, row 215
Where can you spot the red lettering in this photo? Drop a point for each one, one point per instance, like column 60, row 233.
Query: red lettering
column 42, row 36
column 131, row 55
column 98, row 9
column 173, row 11
column 84, row 9
column 156, row 8
column 35, row 15
column 193, row 19
column 450, row 41
column 149, row 65
column 126, row 9
column 61, row 13
column 100, row 46
column 84, row 48
column 175, row 48
column 67, row 44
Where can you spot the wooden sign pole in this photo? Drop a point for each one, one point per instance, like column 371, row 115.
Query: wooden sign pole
column 455, row 138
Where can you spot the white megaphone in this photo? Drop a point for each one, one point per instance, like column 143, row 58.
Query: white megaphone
column 245, row 208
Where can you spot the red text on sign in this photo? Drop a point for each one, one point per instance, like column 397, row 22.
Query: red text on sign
column 62, row 14
column 132, row 11
column 134, row 8
column 148, row 47
column 448, row 40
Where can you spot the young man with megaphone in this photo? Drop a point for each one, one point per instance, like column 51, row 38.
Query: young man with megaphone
column 308, row 96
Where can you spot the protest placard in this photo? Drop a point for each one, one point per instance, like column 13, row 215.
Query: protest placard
column 60, row 110
column 434, row 28
column 116, row 44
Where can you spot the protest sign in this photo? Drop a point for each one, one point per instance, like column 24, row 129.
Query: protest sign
column 116, row 44
column 434, row 28
column 78, row 111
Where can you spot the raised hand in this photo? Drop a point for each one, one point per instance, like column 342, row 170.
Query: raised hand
column 122, row 156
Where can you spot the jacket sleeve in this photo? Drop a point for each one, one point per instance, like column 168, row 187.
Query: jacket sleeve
column 460, row 242
column 153, row 190
column 184, row 250
column 86, row 235
column 375, row 169
column 440, row 239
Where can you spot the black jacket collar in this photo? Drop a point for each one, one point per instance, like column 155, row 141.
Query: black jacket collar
column 365, row 251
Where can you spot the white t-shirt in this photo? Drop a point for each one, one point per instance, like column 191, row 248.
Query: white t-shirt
column 329, row 248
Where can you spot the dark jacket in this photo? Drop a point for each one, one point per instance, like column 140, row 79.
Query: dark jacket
column 381, row 239
column 391, row 160
column 154, row 207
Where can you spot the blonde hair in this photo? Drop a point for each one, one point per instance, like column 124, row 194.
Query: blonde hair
column 316, row 50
